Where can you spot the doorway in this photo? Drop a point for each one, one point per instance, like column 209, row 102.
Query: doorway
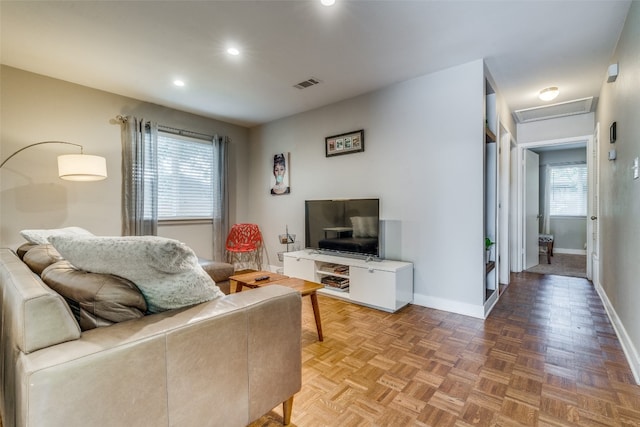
column 570, row 225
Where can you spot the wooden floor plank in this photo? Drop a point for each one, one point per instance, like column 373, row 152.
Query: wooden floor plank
column 546, row 356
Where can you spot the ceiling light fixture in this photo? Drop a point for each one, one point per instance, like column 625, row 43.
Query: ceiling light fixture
column 328, row 2
column 178, row 83
column 233, row 51
column 549, row 93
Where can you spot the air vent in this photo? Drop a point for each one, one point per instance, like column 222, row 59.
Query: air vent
column 563, row 109
column 307, row 83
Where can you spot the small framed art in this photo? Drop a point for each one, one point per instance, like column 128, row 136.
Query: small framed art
column 345, row 143
column 280, row 175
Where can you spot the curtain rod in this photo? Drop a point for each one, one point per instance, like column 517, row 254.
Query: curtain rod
column 176, row 131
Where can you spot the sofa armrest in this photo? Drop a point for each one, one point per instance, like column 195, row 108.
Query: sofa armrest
column 33, row 315
column 216, row 363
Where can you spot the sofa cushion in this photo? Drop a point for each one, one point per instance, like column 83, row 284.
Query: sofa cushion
column 24, row 248
column 40, row 257
column 41, row 236
column 95, row 299
column 165, row 270
column 219, row 271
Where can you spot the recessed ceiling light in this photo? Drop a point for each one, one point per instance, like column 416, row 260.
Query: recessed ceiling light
column 178, row 83
column 328, row 2
column 549, row 93
column 233, row 51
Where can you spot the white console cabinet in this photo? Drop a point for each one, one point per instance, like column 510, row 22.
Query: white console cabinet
column 386, row 285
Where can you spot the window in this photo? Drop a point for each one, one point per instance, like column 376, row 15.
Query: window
column 568, row 187
column 185, row 177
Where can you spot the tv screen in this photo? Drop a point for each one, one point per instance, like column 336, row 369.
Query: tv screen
column 349, row 226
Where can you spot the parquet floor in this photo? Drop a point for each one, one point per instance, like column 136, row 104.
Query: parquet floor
column 546, row 356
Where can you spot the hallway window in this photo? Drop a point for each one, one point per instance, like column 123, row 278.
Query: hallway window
column 568, row 186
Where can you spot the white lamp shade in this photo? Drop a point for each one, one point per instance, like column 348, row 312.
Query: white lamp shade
column 82, row 167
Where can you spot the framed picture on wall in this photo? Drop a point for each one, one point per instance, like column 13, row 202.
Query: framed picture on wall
column 345, row 143
column 280, row 174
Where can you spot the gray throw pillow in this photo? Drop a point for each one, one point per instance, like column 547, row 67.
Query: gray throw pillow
column 165, row 270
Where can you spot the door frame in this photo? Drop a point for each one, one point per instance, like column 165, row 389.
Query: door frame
column 520, row 170
column 593, row 226
column 531, row 198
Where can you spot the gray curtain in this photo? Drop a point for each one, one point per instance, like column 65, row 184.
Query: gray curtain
column 220, row 197
column 139, row 177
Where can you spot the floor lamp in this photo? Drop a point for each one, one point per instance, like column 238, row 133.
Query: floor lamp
column 74, row 167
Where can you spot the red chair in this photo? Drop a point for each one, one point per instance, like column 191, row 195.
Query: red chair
column 244, row 246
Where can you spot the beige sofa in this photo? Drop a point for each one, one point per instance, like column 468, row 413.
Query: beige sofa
column 224, row 362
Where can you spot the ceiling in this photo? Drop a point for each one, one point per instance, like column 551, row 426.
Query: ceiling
column 137, row 48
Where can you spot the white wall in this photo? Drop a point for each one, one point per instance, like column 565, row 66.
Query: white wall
column 423, row 158
column 619, row 216
column 37, row 108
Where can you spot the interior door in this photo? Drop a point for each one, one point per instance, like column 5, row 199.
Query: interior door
column 531, row 208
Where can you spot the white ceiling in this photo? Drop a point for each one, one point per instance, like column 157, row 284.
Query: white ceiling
column 137, row 48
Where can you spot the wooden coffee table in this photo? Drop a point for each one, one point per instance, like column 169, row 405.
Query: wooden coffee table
column 249, row 279
column 305, row 288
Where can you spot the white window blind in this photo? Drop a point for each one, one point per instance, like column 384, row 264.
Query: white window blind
column 185, row 181
column 568, row 187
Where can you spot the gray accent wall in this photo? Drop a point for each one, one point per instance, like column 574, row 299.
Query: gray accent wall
column 37, row 108
column 619, row 217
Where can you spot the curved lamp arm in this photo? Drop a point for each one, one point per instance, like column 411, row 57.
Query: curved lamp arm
column 74, row 167
column 40, row 143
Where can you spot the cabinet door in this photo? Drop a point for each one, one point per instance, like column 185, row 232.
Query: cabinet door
column 300, row 268
column 373, row 287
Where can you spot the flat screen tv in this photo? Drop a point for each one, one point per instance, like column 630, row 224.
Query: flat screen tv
column 345, row 226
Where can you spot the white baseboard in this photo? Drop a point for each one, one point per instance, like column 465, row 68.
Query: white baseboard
column 476, row 311
column 569, row 251
column 630, row 352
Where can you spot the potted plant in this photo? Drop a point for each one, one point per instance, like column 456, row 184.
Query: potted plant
column 488, row 244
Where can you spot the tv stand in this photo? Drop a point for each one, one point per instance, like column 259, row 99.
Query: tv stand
column 385, row 285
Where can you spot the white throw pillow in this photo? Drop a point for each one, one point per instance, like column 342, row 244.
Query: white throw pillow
column 41, row 237
column 165, row 270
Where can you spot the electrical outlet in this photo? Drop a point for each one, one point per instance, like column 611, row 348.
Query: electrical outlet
column 636, row 173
